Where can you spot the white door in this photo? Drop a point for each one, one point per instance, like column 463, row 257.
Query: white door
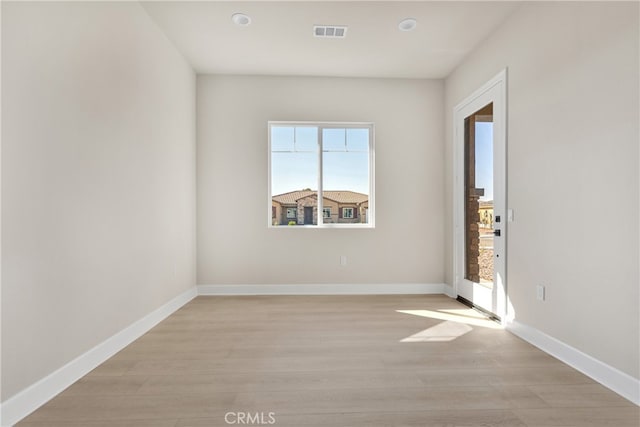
column 479, row 197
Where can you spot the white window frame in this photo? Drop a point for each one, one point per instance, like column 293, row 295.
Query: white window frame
column 326, row 209
column 295, row 213
column 345, row 216
column 327, row 125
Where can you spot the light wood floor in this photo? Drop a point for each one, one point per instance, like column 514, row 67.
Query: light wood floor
column 333, row 361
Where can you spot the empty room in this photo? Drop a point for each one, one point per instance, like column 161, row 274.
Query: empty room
column 317, row 213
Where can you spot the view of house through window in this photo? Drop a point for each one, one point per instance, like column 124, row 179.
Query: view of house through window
column 323, row 168
column 479, row 221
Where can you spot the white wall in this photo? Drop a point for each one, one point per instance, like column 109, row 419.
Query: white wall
column 235, row 246
column 572, row 170
column 98, row 179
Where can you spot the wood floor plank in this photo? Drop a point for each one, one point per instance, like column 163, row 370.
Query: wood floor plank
column 112, row 367
column 108, row 423
column 384, row 400
column 100, row 385
column 501, row 377
column 269, row 381
column 581, row 417
column 457, row 418
column 122, row 408
column 333, row 361
column 578, row 396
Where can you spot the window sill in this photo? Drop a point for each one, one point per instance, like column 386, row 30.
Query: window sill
column 325, row 226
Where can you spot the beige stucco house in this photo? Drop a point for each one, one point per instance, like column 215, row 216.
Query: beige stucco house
column 301, row 208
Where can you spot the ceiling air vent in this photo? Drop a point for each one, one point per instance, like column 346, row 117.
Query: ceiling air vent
column 330, row 31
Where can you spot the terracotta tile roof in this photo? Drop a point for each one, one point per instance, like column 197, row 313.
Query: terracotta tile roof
column 291, row 197
column 344, row 196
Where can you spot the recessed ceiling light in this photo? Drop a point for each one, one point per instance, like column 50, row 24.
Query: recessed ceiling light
column 241, row 19
column 407, row 24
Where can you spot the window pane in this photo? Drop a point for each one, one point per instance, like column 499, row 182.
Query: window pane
column 358, row 139
column 281, row 138
column 484, row 159
column 333, row 140
column 345, row 175
column 306, row 139
column 346, row 171
column 294, row 174
column 296, row 167
column 479, row 197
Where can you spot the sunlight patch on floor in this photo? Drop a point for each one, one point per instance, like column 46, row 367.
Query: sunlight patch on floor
column 467, row 312
column 467, row 318
column 442, row 332
column 457, row 322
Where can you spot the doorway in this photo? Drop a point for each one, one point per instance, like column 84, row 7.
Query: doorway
column 308, row 215
column 480, row 198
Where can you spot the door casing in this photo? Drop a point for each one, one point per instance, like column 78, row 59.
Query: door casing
column 495, row 90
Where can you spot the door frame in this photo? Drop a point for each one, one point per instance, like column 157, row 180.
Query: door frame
column 495, row 90
column 308, row 215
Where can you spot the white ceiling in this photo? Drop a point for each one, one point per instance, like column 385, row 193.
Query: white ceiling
column 280, row 39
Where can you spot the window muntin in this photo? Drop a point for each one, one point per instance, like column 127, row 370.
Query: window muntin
column 333, row 160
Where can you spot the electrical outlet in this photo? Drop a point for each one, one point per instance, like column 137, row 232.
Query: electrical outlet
column 540, row 293
column 343, row 260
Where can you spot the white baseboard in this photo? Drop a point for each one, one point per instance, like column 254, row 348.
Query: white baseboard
column 36, row 395
column 449, row 291
column 323, row 289
column 623, row 384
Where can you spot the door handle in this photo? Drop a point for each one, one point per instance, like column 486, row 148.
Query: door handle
column 496, row 233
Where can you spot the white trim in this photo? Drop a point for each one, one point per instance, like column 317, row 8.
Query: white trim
column 623, row 384
column 320, row 204
column 324, row 289
column 495, row 90
column 498, row 78
column 449, row 291
column 39, row 393
column 0, row 214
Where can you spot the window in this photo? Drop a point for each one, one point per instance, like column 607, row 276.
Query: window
column 313, row 165
column 347, row 213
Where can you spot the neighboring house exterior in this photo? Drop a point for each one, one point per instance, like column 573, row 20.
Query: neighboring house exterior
column 301, row 207
column 485, row 211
